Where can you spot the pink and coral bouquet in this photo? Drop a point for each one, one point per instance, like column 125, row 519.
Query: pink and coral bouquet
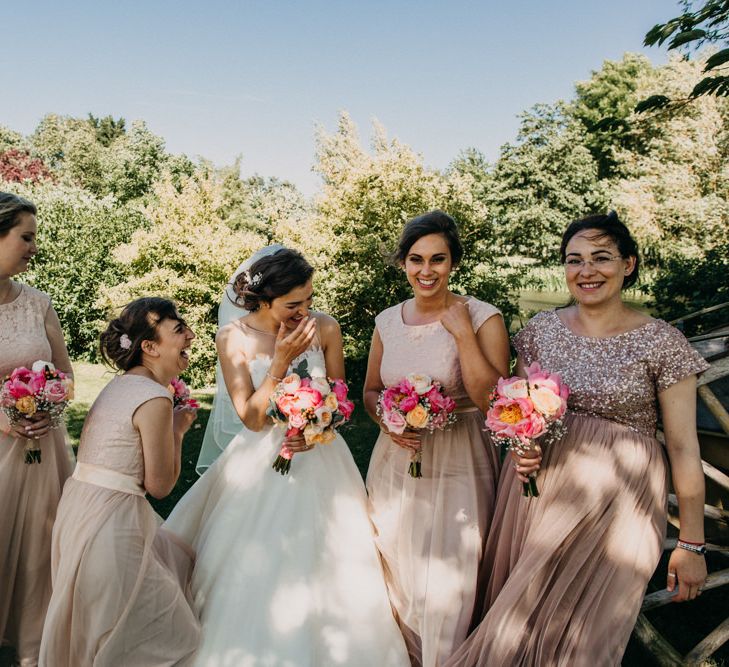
column 312, row 406
column 40, row 389
column 523, row 410
column 181, row 397
column 415, row 402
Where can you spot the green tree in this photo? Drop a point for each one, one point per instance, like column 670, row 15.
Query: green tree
column 77, row 234
column 187, row 254
column 604, row 105
column 700, row 24
column 107, row 129
column 541, row 182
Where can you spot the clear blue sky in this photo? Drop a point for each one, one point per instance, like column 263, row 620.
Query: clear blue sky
column 219, row 79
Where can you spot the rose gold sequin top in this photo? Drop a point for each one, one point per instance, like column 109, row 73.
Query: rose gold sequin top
column 616, row 378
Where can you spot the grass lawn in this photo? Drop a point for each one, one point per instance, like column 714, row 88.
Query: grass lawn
column 684, row 625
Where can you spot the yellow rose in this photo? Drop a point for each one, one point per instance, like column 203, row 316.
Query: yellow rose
column 26, row 405
column 322, row 438
column 546, row 401
column 331, row 402
column 417, row 417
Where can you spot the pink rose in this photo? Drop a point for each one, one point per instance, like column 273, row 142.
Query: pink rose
column 306, row 398
column 409, row 402
column 394, row 421
column 18, row 389
column 291, row 383
column 436, row 400
column 54, row 391
column 285, row 404
column 340, row 389
column 389, row 398
column 296, row 420
column 346, row 408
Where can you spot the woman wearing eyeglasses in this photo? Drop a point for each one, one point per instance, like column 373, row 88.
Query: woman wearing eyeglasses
column 565, row 573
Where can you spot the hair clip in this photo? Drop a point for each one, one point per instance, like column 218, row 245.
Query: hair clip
column 256, row 278
column 125, row 342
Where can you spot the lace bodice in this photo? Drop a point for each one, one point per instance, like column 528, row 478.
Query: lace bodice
column 617, row 378
column 427, row 348
column 109, row 439
column 23, row 337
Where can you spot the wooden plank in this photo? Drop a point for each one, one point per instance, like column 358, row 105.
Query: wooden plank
column 709, row 645
column 662, row 651
column 710, row 512
column 718, row 369
column 716, row 475
column 664, row 597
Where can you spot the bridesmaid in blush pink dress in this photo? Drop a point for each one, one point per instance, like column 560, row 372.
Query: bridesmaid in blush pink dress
column 565, row 572
column 29, row 493
column 430, row 531
column 120, row 584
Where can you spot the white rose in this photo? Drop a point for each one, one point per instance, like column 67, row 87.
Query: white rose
column 514, row 390
column 546, row 402
column 323, row 416
column 38, row 366
column 291, row 383
column 321, row 385
column 422, row 383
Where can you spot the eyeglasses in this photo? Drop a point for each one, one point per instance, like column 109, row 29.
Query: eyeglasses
column 602, row 261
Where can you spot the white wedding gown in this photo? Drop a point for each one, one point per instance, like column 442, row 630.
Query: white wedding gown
column 287, row 573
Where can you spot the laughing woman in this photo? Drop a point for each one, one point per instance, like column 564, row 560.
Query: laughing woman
column 119, row 582
column 29, row 494
column 431, row 530
column 566, row 572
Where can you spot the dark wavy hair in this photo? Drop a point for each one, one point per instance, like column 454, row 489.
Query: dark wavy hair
column 433, row 222
column 606, row 225
column 11, row 206
column 138, row 320
column 271, row 277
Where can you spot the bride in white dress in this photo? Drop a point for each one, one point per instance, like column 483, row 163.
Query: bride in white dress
column 287, row 573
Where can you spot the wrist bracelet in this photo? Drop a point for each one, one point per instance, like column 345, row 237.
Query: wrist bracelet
column 273, row 377
column 693, row 548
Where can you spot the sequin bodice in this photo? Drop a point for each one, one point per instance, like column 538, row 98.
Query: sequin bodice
column 426, row 348
column 23, row 339
column 109, row 438
column 616, row 378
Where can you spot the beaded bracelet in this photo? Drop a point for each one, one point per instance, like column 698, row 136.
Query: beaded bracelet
column 273, row 377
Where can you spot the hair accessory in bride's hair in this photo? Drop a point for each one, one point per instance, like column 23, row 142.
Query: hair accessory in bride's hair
column 125, row 342
column 256, row 278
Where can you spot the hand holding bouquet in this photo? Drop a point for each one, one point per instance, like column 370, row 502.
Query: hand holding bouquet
column 310, row 406
column 40, row 390
column 523, row 410
column 181, row 397
column 416, row 402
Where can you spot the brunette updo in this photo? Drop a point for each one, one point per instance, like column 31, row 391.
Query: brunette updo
column 121, row 343
column 271, row 277
column 11, row 206
column 433, row 222
column 606, row 225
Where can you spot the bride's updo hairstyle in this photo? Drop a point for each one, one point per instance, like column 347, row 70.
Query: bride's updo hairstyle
column 271, row 277
column 121, row 342
column 433, row 222
column 606, row 226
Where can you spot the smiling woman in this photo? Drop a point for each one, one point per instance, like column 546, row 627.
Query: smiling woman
column 115, row 573
column 565, row 573
column 29, row 494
